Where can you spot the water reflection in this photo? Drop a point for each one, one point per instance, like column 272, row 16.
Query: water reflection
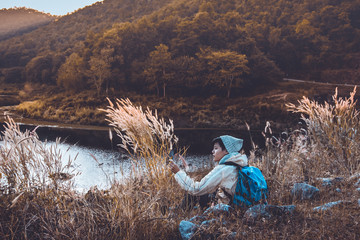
column 110, row 165
column 98, row 167
column 99, row 172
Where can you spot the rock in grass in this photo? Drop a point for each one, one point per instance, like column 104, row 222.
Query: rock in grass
column 218, row 209
column 256, row 212
column 330, row 181
column 207, row 222
column 325, row 181
column 356, row 175
column 357, row 184
column 304, row 191
column 187, row 229
column 231, row 235
column 267, row 211
column 197, row 218
column 281, row 210
column 327, row 206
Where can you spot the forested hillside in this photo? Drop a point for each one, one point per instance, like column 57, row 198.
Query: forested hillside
column 36, row 56
column 216, row 46
column 17, row 21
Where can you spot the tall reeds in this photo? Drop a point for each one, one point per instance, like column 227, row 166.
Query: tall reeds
column 36, row 185
column 28, row 163
column 146, row 137
column 141, row 203
column 327, row 144
column 38, row 201
column 334, row 134
column 281, row 161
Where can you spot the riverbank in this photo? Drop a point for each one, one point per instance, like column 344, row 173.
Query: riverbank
column 197, row 120
column 196, row 140
column 46, row 105
column 313, row 197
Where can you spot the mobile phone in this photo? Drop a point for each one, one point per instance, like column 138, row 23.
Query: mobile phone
column 170, row 156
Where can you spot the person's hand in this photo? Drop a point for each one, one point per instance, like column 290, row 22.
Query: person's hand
column 186, row 166
column 173, row 167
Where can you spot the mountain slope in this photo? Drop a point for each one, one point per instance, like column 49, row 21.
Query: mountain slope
column 17, row 21
column 68, row 31
column 308, row 39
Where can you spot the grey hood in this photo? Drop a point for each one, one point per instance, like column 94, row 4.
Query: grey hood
column 237, row 158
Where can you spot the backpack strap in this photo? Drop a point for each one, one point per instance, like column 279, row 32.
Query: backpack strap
column 233, row 164
column 237, row 167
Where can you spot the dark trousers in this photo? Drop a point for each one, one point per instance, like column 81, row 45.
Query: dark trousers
column 204, row 201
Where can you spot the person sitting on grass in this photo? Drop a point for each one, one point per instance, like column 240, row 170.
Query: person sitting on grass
column 222, row 179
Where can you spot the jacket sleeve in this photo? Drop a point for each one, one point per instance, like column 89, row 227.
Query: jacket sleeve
column 207, row 185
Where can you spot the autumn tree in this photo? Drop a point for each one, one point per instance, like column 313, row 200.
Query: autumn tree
column 100, row 68
column 192, row 33
column 38, row 69
column 225, row 68
column 71, row 74
column 43, row 68
column 187, row 72
column 158, row 70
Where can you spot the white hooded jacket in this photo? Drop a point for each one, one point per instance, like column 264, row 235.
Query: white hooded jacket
column 222, row 176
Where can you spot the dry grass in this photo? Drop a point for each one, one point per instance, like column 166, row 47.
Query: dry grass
column 34, row 108
column 28, row 164
column 334, row 134
column 146, row 137
column 281, row 161
column 37, row 203
column 38, row 199
column 327, row 145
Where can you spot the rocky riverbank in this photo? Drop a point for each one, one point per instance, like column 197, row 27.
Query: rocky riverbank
column 326, row 198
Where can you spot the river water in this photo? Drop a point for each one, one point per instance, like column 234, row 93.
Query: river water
column 88, row 143
column 100, row 167
column 109, row 165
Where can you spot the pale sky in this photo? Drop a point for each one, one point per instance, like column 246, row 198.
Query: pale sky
column 54, row 7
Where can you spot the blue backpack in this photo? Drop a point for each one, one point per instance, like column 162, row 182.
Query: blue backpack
column 251, row 187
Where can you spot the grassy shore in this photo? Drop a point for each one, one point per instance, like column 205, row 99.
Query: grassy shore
column 254, row 107
column 38, row 201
